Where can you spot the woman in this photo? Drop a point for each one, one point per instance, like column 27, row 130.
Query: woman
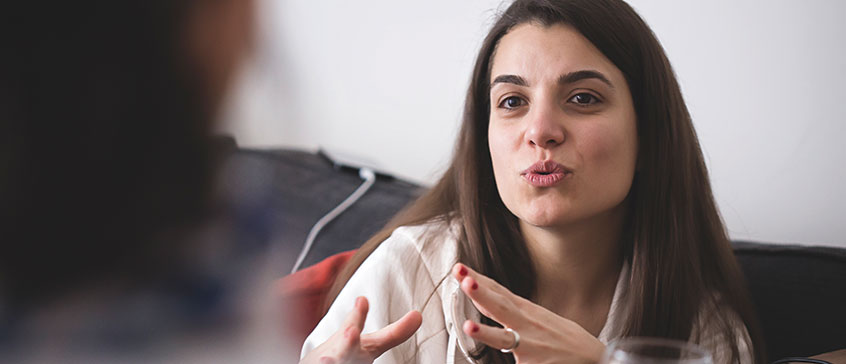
column 577, row 209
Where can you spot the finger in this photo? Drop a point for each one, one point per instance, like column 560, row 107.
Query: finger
column 345, row 349
column 392, row 335
column 350, row 332
column 500, row 307
column 495, row 337
column 461, row 271
column 489, row 297
column 358, row 315
column 326, row 360
column 352, row 338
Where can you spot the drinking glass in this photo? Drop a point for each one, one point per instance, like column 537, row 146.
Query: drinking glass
column 644, row 350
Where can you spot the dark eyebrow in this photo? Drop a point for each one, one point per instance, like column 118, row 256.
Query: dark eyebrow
column 517, row 80
column 582, row 75
column 564, row 79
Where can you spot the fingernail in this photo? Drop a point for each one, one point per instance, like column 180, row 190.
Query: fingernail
column 474, row 286
column 462, row 271
column 475, row 328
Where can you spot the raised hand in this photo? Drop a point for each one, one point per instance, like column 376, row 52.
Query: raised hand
column 349, row 346
column 544, row 337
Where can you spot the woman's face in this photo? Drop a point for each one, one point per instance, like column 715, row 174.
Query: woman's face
column 562, row 131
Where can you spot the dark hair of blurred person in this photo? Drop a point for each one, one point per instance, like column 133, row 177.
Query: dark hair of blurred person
column 106, row 161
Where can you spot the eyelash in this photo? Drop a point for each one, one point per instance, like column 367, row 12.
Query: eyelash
column 505, row 100
column 593, row 101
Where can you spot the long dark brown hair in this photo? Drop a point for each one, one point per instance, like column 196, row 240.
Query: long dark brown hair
column 674, row 239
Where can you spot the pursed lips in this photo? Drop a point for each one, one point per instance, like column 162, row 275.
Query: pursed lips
column 546, row 173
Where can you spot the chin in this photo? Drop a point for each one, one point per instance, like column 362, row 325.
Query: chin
column 546, row 213
column 544, row 218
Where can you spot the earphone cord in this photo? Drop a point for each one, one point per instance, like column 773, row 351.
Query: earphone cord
column 369, row 178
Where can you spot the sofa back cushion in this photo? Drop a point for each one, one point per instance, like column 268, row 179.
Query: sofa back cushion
column 800, row 296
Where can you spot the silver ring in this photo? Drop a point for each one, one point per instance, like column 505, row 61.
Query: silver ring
column 516, row 341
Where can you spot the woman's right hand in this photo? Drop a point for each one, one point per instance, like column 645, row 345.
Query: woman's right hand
column 349, row 346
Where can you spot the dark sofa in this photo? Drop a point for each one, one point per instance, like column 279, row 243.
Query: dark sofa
column 799, row 291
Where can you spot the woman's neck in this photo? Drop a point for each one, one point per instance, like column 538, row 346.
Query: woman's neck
column 577, row 265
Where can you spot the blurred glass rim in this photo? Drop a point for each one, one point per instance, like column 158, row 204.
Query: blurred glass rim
column 628, row 349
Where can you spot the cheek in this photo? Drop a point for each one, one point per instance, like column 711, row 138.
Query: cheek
column 498, row 146
column 611, row 149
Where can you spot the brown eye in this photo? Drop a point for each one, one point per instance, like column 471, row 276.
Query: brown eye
column 512, row 102
column 584, row 99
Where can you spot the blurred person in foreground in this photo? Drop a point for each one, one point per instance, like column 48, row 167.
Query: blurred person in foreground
column 114, row 247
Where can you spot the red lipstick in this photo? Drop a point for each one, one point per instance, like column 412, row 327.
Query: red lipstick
column 545, row 174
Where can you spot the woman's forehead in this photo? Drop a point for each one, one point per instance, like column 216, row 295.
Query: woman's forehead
column 540, row 53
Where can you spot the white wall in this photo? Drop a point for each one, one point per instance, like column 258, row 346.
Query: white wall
column 384, row 81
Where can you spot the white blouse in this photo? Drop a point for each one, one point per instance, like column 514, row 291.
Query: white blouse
column 411, row 271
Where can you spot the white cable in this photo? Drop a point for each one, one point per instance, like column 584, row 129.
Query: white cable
column 369, row 178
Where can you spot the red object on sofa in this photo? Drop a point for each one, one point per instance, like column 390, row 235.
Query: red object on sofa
column 304, row 292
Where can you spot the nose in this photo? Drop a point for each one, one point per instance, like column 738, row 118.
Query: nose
column 545, row 128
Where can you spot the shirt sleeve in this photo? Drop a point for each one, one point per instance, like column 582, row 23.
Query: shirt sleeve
column 395, row 281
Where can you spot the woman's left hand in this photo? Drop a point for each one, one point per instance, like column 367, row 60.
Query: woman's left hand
column 544, row 337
